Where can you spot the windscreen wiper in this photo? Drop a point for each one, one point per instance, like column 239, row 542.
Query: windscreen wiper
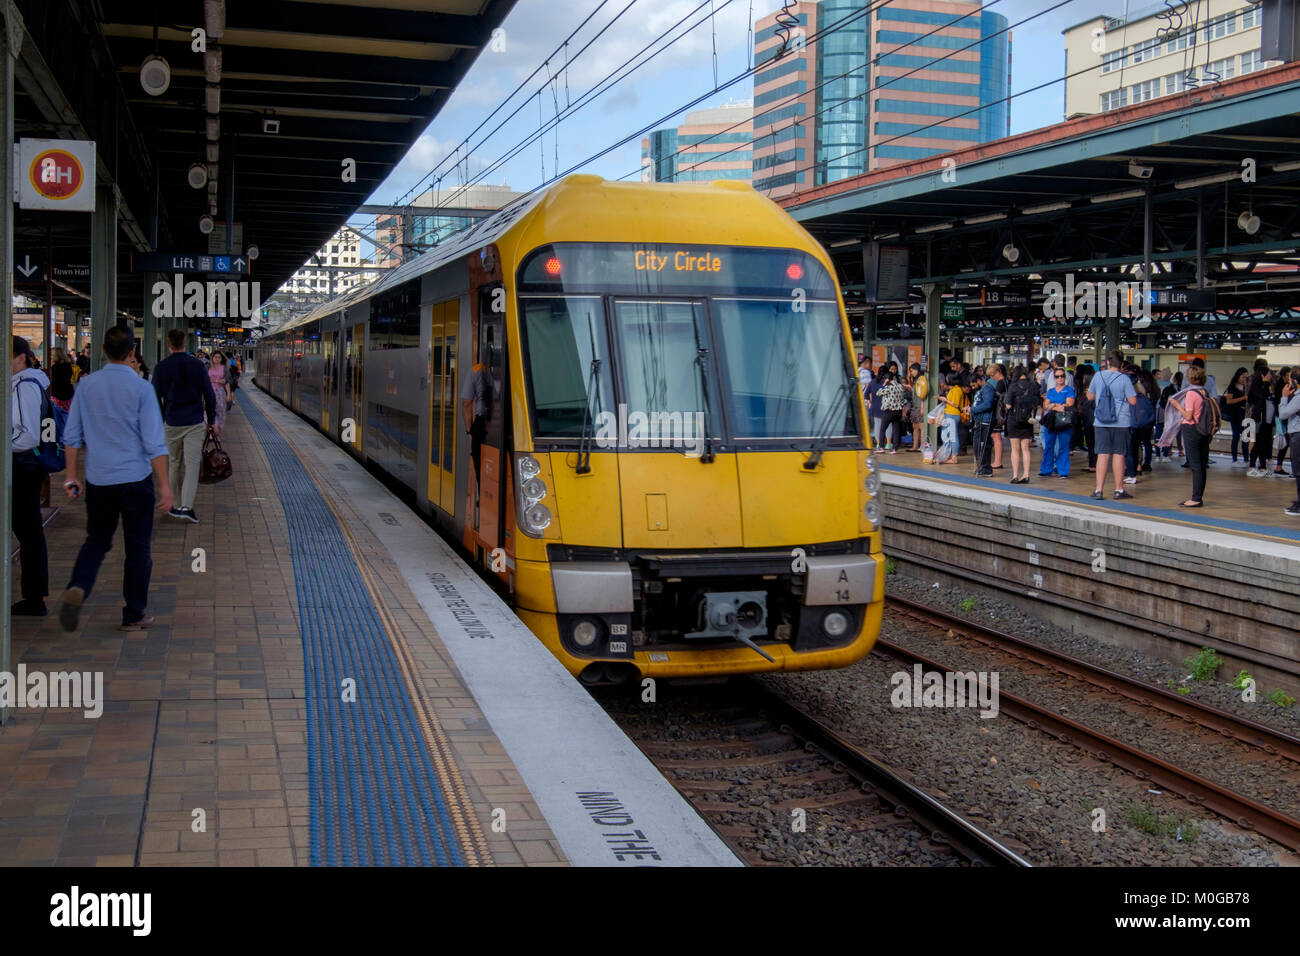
column 703, row 359
column 822, row 436
column 583, row 466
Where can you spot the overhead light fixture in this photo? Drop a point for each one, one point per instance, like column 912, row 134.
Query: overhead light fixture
column 155, row 75
column 1208, row 180
column 214, row 17
column 206, row 224
column 933, row 227
column 269, row 125
column 1116, row 197
column 1248, row 223
column 991, row 217
column 1288, row 166
column 1010, row 252
column 214, row 128
column 214, row 152
column 1139, row 171
column 845, row 242
column 212, row 98
column 1050, row 207
column 197, row 175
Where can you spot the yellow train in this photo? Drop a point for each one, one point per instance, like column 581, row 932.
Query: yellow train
column 635, row 405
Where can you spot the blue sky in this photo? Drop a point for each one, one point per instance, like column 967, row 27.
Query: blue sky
column 677, row 76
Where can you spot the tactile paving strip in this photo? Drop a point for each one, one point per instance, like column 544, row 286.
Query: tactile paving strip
column 376, row 796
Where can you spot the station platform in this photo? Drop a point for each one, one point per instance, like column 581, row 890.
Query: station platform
column 1143, row 572
column 309, row 697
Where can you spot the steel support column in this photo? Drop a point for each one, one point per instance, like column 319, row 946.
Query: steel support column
column 868, row 331
column 933, row 307
column 103, row 270
column 12, row 38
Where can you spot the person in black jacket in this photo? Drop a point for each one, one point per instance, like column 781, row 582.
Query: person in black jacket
column 188, row 406
column 1259, row 397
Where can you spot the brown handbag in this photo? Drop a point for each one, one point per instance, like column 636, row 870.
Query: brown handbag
column 215, row 464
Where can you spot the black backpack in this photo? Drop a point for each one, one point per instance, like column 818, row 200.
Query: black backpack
column 1024, row 402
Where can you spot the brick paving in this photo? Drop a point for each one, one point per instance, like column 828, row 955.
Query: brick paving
column 204, row 716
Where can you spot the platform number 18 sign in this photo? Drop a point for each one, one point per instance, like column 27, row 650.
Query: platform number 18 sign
column 55, row 174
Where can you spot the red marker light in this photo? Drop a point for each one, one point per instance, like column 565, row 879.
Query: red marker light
column 794, row 270
column 553, row 266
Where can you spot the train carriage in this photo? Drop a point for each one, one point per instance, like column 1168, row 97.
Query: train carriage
column 674, row 477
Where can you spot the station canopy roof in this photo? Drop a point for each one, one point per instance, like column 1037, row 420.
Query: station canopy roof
column 302, row 88
column 1070, row 198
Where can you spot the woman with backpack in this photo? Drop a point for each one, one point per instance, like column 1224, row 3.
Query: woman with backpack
column 1144, row 420
column 1021, row 403
column 891, row 411
column 1259, row 401
column 1197, row 418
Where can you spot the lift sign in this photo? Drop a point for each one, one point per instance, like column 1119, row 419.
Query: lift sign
column 56, row 174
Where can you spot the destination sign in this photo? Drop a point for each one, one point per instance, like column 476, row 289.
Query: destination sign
column 658, row 267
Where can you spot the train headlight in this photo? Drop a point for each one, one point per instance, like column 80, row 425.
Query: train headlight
column 537, row 519
column 585, row 633
column 872, row 483
column 871, row 463
column 873, row 512
column 835, row 623
column 530, row 489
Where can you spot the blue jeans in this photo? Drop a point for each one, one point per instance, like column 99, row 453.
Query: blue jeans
column 1057, row 452
column 133, row 503
column 949, row 433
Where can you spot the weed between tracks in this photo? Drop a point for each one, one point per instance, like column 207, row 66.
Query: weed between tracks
column 1182, row 828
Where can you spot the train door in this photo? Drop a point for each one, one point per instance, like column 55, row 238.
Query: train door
column 486, row 516
column 443, row 399
column 329, row 348
column 351, row 393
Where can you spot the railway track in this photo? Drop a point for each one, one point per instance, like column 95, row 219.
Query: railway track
column 1242, row 810
column 751, row 749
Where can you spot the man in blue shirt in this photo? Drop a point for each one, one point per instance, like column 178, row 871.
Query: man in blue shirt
column 115, row 417
column 1112, row 436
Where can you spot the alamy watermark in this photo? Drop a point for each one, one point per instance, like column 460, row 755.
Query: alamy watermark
column 654, row 430
column 179, row 299
column 950, row 689
column 83, row 690
column 1096, row 300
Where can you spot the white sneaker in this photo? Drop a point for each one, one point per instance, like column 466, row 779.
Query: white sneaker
column 1255, row 473
column 1130, row 481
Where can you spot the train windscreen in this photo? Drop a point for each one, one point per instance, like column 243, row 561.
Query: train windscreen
column 749, row 340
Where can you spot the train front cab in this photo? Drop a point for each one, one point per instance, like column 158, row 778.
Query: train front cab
column 756, row 547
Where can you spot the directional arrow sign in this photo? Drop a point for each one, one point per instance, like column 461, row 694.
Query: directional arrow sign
column 30, row 271
column 188, row 262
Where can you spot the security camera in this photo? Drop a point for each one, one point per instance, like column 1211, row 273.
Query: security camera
column 206, row 224
column 1248, row 223
column 1139, row 171
column 1010, row 252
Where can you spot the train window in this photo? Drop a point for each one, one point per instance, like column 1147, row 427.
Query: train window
column 395, row 318
column 783, row 368
column 660, row 352
column 561, row 335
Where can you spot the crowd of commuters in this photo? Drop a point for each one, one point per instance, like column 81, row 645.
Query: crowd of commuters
column 138, row 437
column 1121, row 416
